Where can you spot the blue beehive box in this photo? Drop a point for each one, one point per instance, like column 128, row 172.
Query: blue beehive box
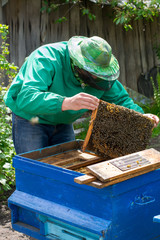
column 48, row 204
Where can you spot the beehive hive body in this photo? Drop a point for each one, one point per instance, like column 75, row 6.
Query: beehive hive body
column 48, row 204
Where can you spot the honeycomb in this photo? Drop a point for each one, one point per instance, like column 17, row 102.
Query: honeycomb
column 116, row 131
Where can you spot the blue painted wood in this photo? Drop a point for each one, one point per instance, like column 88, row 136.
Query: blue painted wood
column 66, row 194
column 54, row 228
column 156, row 218
column 126, row 209
column 28, row 230
column 30, row 203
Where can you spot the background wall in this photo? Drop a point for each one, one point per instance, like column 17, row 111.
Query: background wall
column 30, row 27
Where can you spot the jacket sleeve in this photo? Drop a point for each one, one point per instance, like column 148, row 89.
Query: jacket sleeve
column 119, row 96
column 34, row 96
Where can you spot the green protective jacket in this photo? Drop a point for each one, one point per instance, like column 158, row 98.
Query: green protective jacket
column 45, row 79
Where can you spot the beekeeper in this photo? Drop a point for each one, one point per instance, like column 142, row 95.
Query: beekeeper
column 57, row 83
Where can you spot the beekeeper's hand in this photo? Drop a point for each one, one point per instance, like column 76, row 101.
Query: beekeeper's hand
column 80, row 101
column 153, row 117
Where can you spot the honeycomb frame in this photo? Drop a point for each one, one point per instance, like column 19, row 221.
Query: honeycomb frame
column 116, row 131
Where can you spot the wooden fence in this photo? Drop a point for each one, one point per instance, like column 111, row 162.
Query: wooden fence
column 30, row 28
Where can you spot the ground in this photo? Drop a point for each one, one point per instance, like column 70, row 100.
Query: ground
column 6, row 231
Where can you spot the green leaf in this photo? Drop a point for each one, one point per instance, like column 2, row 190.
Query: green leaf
column 117, row 21
column 85, row 11
column 7, row 166
column 91, row 16
column 3, row 181
column 60, row 20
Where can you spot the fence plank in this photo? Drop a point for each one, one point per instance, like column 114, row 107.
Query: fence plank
column 120, row 53
column 32, row 29
column 74, row 20
column 141, row 29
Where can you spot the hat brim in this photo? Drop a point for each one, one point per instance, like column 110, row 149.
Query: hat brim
column 109, row 73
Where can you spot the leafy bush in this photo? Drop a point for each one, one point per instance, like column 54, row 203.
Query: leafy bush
column 157, row 93
column 154, row 107
column 6, row 146
column 134, row 10
column 8, row 70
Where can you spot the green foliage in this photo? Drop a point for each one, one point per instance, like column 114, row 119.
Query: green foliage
column 124, row 13
column 150, row 108
column 154, row 107
column 157, row 50
column 86, row 11
column 134, row 10
column 156, row 131
column 5, row 66
column 50, row 6
column 6, row 144
column 60, row 20
column 83, row 125
column 157, row 93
